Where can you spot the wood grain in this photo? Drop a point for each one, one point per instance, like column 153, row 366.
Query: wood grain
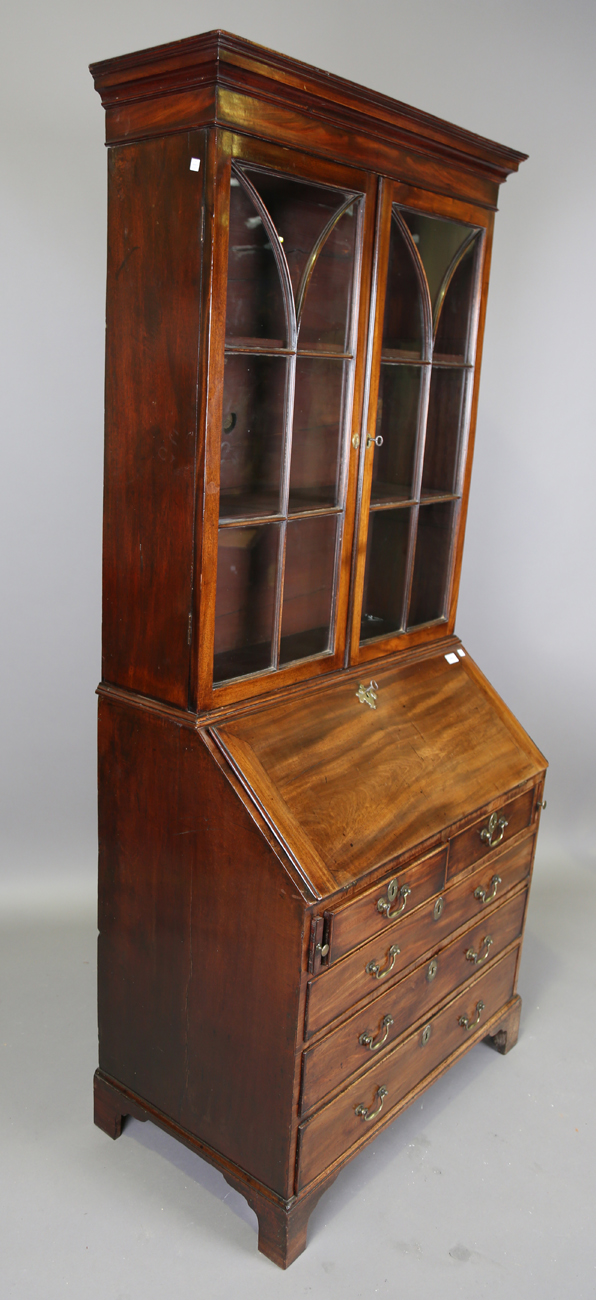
column 367, row 784
column 336, row 1127
column 333, row 1059
column 419, row 934
column 154, row 207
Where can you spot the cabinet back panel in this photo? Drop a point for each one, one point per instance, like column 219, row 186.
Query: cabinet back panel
column 153, row 301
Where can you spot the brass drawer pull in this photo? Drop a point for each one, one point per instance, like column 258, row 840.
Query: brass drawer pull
column 471, row 1024
column 384, row 904
column 366, row 1114
column 475, row 956
column 367, row 1039
column 495, row 823
column 323, row 948
column 481, row 893
column 374, row 969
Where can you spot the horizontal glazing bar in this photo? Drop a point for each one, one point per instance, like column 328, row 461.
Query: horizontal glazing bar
column 233, row 349
column 424, row 500
column 394, row 504
column 445, row 363
column 245, row 349
column 250, row 521
column 238, row 521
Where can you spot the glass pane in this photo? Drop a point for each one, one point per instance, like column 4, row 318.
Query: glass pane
column 308, row 587
column 385, row 573
column 245, row 600
column 315, row 444
column 325, row 317
column 255, row 309
column 403, row 326
column 437, row 242
column 397, row 423
column 451, row 339
column 431, row 564
column 300, row 211
column 252, row 435
column 441, row 460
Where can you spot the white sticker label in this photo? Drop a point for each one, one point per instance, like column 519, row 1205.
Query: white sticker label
column 451, row 659
column 195, row 163
column 461, row 653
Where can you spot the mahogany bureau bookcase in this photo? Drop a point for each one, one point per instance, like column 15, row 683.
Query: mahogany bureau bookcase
column 317, row 818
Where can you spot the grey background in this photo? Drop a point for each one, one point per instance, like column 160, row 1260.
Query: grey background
column 85, row 1217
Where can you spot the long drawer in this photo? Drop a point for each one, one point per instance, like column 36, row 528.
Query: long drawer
column 368, row 1035
column 334, row 1129
column 359, row 975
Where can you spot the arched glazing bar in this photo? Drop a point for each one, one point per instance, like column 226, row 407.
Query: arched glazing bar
column 275, row 246
column 316, row 251
column 449, row 274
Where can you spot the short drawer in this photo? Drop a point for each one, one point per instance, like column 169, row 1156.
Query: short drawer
column 368, row 1035
column 396, row 895
column 360, row 974
column 489, row 832
column 333, row 1130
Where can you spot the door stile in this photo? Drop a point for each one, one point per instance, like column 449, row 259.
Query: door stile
column 369, row 409
column 210, row 400
column 477, row 325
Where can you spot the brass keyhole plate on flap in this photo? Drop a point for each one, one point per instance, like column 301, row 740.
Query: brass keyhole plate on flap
column 368, row 694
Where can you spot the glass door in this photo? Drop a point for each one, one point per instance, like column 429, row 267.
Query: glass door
column 414, row 460
column 287, row 396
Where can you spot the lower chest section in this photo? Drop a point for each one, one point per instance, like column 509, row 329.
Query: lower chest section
column 406, row 975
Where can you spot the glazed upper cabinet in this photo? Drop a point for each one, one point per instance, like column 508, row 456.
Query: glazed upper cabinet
column 343, row 384
column 309, row 455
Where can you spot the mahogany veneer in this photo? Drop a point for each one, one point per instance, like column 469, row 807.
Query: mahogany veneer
column 317, row 818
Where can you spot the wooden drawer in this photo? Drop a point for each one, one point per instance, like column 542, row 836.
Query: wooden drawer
column 373, row 912
column 327, row 1064
column 333, row 1130
column 472, row 845
column 343, row 985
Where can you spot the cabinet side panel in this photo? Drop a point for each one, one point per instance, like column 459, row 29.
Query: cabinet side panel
column 153, row 302
column 200, row 946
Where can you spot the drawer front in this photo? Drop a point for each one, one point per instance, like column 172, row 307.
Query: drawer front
column 351, row 979
column 326, row 1065
column 398, row 894
column 488, row 832
column 334, row 1129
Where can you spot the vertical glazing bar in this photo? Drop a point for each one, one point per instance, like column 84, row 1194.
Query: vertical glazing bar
column 425, row 379
column 286, row 460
